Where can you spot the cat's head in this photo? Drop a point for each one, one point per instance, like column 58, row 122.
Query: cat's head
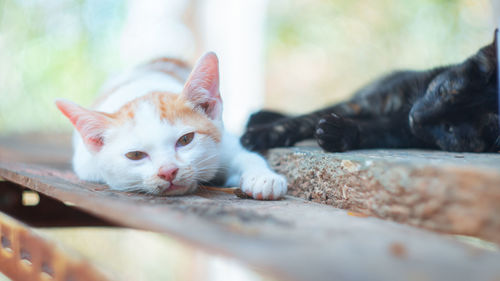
column 459, row 109
column 161, row 143
column 472, row 82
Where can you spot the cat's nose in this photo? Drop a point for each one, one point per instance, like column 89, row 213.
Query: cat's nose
column 167, row 173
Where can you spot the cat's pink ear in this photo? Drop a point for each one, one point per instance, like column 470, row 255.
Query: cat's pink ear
column 202, row 86
column 90, row 124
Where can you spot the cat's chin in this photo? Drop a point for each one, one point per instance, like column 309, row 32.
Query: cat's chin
column 173, row 190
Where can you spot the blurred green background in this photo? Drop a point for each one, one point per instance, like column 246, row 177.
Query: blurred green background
column 51, row 49
column 317, row 51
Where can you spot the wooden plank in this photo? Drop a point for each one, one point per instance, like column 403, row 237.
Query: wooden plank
column 291, row 239
column 456, row 193
column 42, row 211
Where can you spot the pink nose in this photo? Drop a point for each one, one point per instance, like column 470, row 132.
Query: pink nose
column 168, row 173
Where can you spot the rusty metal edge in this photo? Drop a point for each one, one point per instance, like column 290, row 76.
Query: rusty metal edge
column 25, row 255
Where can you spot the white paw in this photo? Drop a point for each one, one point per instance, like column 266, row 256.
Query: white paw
column 265, row 185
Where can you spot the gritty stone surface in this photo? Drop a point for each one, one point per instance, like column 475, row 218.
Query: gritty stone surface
column 456, row 193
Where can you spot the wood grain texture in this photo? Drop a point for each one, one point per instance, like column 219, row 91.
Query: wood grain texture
column 290, row 239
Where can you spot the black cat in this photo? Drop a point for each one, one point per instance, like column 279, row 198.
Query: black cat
column 453, row 108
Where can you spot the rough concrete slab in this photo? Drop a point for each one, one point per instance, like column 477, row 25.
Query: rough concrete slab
column 455, row 193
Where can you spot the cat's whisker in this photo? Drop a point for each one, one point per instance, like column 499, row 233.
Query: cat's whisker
column 207, row 159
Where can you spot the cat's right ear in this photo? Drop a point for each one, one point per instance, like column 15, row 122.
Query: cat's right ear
column 202, row 86
column 485, row 60
column 495, row 38
column 489, row 52
column 90, row 124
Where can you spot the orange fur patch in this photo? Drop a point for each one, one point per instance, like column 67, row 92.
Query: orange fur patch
column 171, row 107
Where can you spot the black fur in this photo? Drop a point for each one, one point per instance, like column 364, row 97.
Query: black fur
column 453, row 108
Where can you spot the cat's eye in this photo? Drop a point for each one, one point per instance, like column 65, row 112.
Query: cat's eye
column 185, row 139
column 136, row 155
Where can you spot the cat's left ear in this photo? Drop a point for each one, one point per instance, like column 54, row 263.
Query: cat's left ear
column 202, row 86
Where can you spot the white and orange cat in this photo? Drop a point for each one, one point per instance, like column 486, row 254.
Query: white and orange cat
column 158, row 129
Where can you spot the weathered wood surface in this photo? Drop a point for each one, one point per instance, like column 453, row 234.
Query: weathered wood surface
column 291, row 239
column 447, row 192
column 41, row 210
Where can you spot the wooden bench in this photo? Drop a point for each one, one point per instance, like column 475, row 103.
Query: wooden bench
column 290, row 239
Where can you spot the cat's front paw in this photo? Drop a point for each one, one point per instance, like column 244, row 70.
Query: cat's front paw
column 265, row 185
column 264, row 137
column 335, row 133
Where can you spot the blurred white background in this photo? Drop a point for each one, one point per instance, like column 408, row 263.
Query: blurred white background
column 289, row 55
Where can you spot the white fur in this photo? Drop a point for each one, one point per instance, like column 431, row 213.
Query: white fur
column 201, row 160
column 134, row 84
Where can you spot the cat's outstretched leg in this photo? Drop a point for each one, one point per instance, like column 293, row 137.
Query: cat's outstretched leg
column 279, row 131
column 335, row 133
column 283, row 132
column 251, row 172
column 262, row 184
column 264, row 117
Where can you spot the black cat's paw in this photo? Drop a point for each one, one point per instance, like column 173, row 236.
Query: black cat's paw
column 264, row 137
column 335, row 133
column 264, row 117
